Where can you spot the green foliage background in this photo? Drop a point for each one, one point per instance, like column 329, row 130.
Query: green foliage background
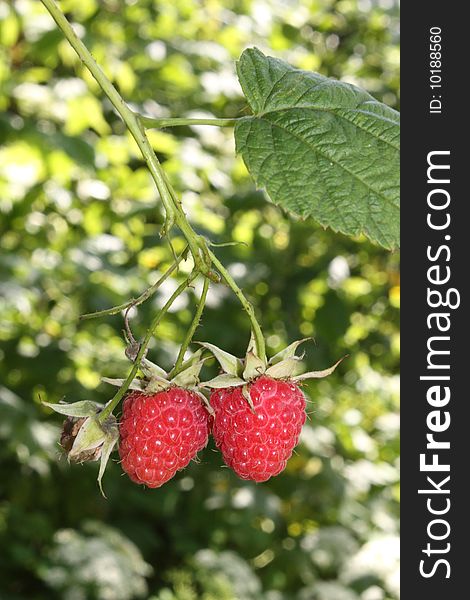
column 79, row 232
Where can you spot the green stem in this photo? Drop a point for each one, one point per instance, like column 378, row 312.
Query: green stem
column 143, row 349
column 174, row 211
column 149, row 122
column 192, row 329
column 258, row 334
column 142, row 298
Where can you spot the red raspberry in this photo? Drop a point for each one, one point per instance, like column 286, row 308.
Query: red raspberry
column 257, row 445
column 160, row 434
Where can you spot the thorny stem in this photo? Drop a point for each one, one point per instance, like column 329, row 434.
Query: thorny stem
column 203, row 257
column 142, row 298
column 192, row 329
column 149, row 122
column 173, row 209
column 258, row 334
column 108, row 409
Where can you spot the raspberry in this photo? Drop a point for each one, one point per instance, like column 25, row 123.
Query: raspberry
column 257, row 444
column 161, row 433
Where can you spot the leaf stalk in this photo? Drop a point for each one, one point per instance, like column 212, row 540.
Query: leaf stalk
column 149, row 122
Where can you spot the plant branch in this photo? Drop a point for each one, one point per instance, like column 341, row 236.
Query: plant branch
column 173, row 209
column 258, row 334
column 192, row 329
column 108, row 409
column 142, row 298
column 149, row 122
column 202, row 255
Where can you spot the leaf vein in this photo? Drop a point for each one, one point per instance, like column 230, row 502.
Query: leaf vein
column 333, row 112
column 326, row 157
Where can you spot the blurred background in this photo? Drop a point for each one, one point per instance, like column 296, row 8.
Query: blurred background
column 80, row 223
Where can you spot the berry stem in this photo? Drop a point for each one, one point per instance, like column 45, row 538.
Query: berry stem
column 142, row 298
column 173, row 209
column 202, row 255
column 149, row 122
column 258, row 334
column 108, row 409
column 192, row 329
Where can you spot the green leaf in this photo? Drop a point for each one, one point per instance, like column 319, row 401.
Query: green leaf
column 321, row 148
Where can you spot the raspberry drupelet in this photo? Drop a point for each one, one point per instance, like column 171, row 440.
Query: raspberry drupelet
column 160, row 434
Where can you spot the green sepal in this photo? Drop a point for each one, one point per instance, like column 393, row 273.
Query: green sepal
column 157, row 380
column 84, row 408
column 284, row 369
column 252, row 346
column 229, row 363
column 189, row 377
column 112, row 437
column 192, row 359
column 318, row 374
column 94, row 440
column 254, row 366
column 137, row 385
column 288, row 352
column 150, row 370
column 223, row 381
column 156, row 384
column 246, row 394
column 282, row 365
column 90, row 436
column 94, row 435
column 205, row 402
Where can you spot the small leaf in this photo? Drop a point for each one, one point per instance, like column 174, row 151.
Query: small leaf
column 223, row 381
column 254, row 366
column 85, row 408
column 321, row 148
column 284, row 369
column 229, row 363
column 288, row 352
column 318, row 374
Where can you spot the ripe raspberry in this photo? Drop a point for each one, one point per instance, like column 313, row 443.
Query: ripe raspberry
column 257, row 445
column 161, row 433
